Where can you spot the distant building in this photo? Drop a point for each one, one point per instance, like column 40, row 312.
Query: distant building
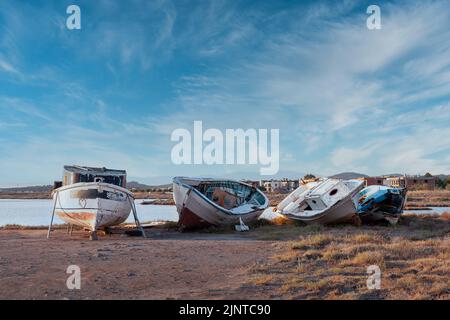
column 253, row 183
column 271, row 185
column 373, row 181
column 283, row 185
column 410, row 182
column 395, row 182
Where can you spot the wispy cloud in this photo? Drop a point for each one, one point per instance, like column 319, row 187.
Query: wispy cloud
column 326, row 89
column 7, row 67
column 343, row 97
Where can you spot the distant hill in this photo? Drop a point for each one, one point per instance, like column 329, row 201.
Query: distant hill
column 348, row 175
column 140, row 186
column 137, row 185
column 46, row 188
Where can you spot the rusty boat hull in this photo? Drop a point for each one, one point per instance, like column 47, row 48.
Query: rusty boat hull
column 93, row 205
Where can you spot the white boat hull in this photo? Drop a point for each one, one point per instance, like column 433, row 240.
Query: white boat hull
column 194, row 211
column 341, row 211
column 93, row 205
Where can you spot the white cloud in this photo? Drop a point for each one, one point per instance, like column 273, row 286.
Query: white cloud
column 7, row 67
column 329, row 90
column 343, row 97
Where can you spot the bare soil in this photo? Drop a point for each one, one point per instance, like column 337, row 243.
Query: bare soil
column 286, row 261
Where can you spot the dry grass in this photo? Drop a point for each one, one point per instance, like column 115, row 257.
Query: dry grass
column 312, row 241
column 331, row 262
column 426, row 198
column 368, row 258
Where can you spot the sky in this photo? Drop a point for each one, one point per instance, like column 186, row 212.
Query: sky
column 345, row 98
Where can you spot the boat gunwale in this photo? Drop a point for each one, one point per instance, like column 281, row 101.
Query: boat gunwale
column 264, row 206
column 96, row 184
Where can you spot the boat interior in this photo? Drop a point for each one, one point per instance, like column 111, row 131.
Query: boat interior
column 231, row 194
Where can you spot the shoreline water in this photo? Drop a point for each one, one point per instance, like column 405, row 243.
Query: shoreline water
column 36, row 212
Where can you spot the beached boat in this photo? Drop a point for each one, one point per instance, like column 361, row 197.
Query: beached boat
column 93, row 198
column 377, row 203
column 204, row 202
column 324, row 201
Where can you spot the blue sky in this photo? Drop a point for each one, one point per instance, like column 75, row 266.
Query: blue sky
column 345, row 98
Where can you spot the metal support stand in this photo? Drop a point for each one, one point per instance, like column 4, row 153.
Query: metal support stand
column 93, row 236
column 53, row 214
column 136, row 220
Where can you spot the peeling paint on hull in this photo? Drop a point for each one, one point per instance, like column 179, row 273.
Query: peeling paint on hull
column 93, row 205
column 190, row 220
column 196, row 210
column 85, row 219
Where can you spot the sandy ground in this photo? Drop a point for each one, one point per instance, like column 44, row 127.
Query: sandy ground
column 168, row 265
column 287, row 261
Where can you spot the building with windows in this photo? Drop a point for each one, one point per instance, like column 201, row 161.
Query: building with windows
column 283, row 185
column 410, row 182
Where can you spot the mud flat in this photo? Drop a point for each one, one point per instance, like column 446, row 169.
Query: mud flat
column 287, row 261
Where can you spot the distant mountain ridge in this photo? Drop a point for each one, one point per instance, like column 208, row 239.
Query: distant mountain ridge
column 349, row 175
column 140, row 186
column 45, row 188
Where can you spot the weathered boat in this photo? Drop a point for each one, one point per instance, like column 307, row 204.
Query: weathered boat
column 93, row 198
column 203, row 202
column 377, row 203
column 324, row 201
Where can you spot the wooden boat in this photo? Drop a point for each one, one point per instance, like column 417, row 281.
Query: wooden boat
column 93, row 198
column 204, row 202
column 324, row 201
column 377, row 203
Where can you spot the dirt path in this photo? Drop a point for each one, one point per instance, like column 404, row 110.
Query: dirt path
column 175, row 266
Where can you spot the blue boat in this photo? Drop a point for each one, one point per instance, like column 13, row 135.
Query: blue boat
column 375, row 203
